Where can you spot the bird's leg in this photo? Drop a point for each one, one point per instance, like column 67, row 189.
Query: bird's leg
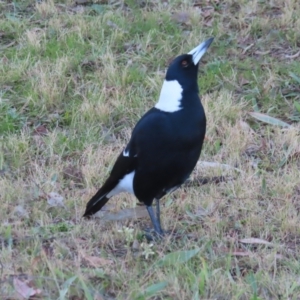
column 155, row 222
column 158, row 211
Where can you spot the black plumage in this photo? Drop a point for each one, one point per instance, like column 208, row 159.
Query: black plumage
column 165, row 144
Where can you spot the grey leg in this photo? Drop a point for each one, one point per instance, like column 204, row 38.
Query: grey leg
column 158, row 212
column 155, row 222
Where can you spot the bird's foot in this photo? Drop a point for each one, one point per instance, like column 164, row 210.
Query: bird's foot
column 151, row 235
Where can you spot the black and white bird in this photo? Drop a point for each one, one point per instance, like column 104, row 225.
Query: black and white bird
column 165, row 144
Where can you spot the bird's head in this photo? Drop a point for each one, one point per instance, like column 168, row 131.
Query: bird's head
column 181, row 77
column 184, row 68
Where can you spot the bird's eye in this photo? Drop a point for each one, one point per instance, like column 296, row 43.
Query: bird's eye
column 184, row 63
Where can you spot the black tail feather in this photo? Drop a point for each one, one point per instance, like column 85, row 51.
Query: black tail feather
column 95, row 204
column 123, row 166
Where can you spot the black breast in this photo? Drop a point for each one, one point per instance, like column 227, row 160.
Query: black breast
column 168, row 152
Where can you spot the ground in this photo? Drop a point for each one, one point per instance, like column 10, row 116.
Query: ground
column 74, row 79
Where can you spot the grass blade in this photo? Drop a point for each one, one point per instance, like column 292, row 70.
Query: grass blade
column 297, row 106
column 178, row 257
column 152, row 290
column 269, row 120
column 65, row 287
column 255, row 241
column 295, row 77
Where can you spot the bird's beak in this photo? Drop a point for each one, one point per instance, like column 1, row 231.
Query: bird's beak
column 199, row 51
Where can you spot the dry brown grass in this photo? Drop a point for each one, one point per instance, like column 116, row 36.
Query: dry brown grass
column 74, row 79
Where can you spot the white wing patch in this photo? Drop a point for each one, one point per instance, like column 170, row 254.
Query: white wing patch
column 170, row 96
column 124, row 185
column 126, row 153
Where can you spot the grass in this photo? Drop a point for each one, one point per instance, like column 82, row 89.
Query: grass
column 73, row 82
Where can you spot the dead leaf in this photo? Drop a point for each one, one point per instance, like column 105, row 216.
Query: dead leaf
column 182, row 17
column 241, row 253
column 97, row 262
column 79, row 9
column 269, row 120
column 20, row 211
column 255, row 241
column 247, row 48
column 4, row 60
column 24, row 290
column 80, row 240
column 243, row 81
column 201, row 212
column 54, row 199
column 251, row 150
column 293, row 56
column 7, row 46
column 73, row 173
column 40, row 130
column 207, row 13
column 246, row 127
column 262, row 52
column 48, row 250
column 208, row 22
column 98, row 296
column 275, row 256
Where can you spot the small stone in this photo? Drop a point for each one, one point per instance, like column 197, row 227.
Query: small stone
column 135, row 245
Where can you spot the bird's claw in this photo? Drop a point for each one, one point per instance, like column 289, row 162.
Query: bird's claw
column 151, row 235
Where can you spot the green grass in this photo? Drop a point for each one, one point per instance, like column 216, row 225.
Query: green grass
column 73, row 82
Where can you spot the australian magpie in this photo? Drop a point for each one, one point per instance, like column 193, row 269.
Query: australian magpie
column 165, row 143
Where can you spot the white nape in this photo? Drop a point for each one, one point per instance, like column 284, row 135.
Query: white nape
column 170, row 96
column 124, row 185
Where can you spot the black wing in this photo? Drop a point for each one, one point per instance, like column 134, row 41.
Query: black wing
column 125, row 163
column 168, row 146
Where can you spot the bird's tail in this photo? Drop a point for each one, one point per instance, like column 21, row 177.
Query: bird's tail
column 96, row 203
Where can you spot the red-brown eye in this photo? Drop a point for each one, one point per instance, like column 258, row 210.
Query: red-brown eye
column 184, row 63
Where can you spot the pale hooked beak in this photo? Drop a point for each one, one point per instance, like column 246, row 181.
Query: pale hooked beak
column 199, row 51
